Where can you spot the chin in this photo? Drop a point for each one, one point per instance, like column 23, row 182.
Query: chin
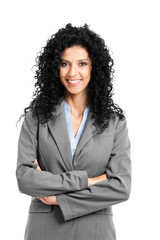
column 73, row 93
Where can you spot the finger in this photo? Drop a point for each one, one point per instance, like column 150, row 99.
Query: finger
column 36, row 162
column 43, row 200
column 38, row 167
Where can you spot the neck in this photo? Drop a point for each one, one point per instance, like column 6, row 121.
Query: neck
column 77, row 103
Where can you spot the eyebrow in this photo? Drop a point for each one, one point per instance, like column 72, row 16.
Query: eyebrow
column 77, row 61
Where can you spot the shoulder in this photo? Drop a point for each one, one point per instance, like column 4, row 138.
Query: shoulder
column 116, row 126
column 30, row 118
column 31, row 122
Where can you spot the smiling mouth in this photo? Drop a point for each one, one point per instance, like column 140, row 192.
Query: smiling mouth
column 74, row 82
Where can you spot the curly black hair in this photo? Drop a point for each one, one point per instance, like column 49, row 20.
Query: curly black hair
column 49, row 90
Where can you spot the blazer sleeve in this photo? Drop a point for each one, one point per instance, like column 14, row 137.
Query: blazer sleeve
column 106, row 193
column 41, row 183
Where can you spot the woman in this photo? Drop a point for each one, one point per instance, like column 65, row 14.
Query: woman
column 73, row 149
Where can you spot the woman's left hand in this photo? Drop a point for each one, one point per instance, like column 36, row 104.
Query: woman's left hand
column 51, row 200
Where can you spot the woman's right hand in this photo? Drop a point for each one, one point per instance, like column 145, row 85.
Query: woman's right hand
column 38, row 167
column 95, row 180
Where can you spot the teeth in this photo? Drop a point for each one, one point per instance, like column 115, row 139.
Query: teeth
column 74, row 81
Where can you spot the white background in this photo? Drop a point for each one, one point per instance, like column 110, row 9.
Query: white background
column 131, row 30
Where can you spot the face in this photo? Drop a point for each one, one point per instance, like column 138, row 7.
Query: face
column 75, row 70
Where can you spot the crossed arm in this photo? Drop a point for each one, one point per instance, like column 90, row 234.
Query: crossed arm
column 52, row 200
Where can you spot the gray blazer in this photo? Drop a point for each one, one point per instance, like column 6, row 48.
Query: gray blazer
column 83, row 213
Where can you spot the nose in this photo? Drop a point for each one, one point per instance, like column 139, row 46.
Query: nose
column 72, row 71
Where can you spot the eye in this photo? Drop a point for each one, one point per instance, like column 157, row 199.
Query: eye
column 83, row 64
column 63, row 64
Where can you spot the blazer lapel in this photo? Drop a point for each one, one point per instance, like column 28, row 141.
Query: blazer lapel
column 59, row 131
column 87, row 134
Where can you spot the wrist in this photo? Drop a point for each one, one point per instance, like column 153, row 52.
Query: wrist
column 90, row 182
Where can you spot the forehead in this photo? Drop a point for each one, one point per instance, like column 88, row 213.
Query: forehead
column 76, row 52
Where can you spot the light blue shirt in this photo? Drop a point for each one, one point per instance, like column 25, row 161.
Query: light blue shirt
column 74, row 140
